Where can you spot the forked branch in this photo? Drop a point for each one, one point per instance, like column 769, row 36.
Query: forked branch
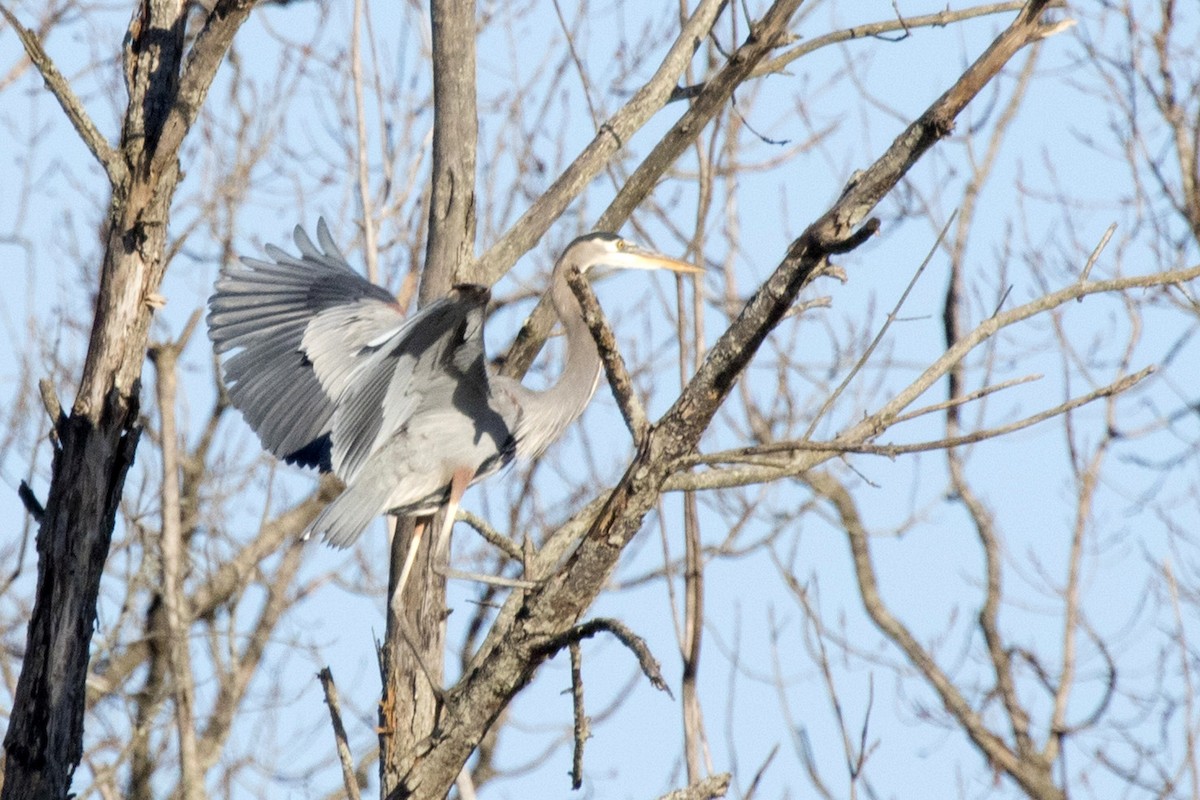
column 534, row 621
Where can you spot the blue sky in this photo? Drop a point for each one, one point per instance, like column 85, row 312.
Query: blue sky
column 929, row 561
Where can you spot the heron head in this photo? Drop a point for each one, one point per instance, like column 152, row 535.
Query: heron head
column 596, row 253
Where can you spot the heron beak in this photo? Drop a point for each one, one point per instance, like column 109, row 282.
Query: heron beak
column 635, row 257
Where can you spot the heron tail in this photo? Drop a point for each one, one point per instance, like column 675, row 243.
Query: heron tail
column 344, row 520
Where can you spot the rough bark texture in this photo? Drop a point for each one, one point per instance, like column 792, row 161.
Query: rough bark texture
column 96, row 443
column 413, row 652
column 451, row 244
column 45, row 733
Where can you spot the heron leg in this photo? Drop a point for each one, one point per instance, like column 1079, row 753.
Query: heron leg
column 459, row 482
column 410, row 556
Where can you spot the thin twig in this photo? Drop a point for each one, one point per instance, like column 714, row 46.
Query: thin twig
column 614, row 365
column 370, row 249
column 339, row 733
column 491, row 535
column 756, row 454
column 891, row 317
column 479, row 577
column 1187, row 672
column 1091, row 262
column 760, row 772
column 1110, row 688
column 646, row 660
column 582, row 733
column 66, row 97
column 963, row 399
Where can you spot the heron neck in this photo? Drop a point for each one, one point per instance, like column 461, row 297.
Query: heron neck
column 561, row 404
column 581, row 372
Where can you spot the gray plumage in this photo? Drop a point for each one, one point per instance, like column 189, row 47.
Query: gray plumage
column 329, row 373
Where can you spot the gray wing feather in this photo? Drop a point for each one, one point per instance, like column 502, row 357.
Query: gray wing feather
column 263, row 309
column 322, row 352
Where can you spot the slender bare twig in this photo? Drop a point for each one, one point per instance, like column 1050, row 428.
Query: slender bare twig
column 70, row 102
column 758, row 455
column 339, row 733
column 614, row 365
column 370, row 247
column 968, row 397
column 756, row 780
column 581, row 732
column 1091, row 262
column 1187, row 673
column 174, row 557
column 636, row 644
column 569, row 37
column 490, row 580
column 779, row 63
column 492, row 536
column 891, row 317
column 855, row 756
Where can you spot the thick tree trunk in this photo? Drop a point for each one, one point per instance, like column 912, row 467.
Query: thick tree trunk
column 96, row 443
column 45, row 734
column 412, row 656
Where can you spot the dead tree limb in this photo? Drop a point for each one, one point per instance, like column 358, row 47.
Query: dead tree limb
column 515, row 646
column 97, row 441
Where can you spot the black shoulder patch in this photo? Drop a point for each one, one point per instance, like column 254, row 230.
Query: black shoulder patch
column 317, row 453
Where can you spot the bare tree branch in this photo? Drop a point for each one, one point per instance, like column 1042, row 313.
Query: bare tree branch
column 1029, row 770
column 71, row 104
column 370, row 246
column 637, row 645
column 339, row 733
column 611, row 137
column 174, row 558
column 614, row 365
column 712, row 786
column 582, row 727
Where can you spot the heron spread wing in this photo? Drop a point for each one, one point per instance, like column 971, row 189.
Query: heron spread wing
column 262, row 309
column 327, row 368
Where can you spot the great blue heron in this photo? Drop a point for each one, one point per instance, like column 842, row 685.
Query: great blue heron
column 330, row 374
